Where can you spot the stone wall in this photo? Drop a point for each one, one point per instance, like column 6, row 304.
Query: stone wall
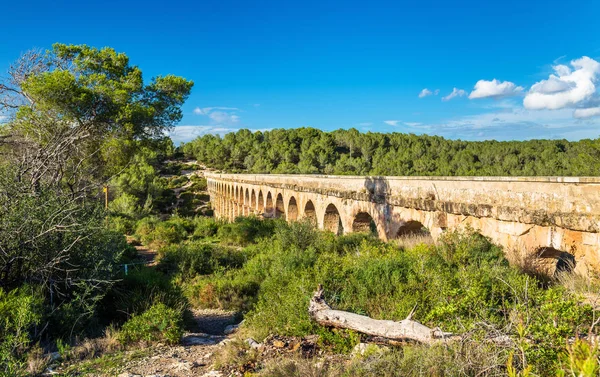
column 523, row 214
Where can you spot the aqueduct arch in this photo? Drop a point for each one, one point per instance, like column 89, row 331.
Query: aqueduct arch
column 332, row 220
column 363, row 222
column 279, row 207
column 292, row 210
column 309, row 212
column 269, row 205
column 518, row 213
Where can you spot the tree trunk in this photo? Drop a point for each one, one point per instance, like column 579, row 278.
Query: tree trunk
column 407, row 329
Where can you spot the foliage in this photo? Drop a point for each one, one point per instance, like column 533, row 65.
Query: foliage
column 159, row 323
column 136, row 292
column 245, row 230
column 158, row 234
column 462, row 285
column 20, row 309
column 79, row 113
column 197, row 258
column 309, row 151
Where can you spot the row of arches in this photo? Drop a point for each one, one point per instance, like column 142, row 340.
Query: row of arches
column 233, row 200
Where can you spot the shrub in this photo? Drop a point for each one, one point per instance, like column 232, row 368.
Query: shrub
column 205, row 227
column 156, row 234
column 177, row 182
column 20, row 309
column 246, row 230
column 159, row 323
column 121, row 224
column 197, row 258
column 199, row 183
column 136, row 292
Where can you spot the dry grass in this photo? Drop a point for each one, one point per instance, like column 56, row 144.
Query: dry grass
column 410, row 241
column 90, row 348
column 37, row 361
column 298, row 367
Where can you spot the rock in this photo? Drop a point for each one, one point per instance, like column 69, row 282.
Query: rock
column 362, row 348
column 213, row 373
column 125, row 374
column 253, row 343
column 200, row 340
column 183, row 365
column 278, row 344
column 230, row 329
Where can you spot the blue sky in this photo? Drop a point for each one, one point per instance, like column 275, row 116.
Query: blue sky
column 333, row 64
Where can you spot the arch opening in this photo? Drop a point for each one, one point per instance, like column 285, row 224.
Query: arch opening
column 269, row 205
column 292, row 212
column 247, row 203
column 279, row 207
column 310, row 213
column 565, row 262
column 253, row 201
column 412, row 228
column 332, row 221
column 363, row 222
column 261, row 202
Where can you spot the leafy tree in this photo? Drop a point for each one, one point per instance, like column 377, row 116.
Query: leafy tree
column 70, row 103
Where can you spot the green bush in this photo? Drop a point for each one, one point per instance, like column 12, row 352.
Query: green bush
column 199, row 184
column 121, row 224
column 197, row 258
column 205, row 227
column 157, row 234
column 20, row 309
column 246, row 230
column 177, row 182
column 137, row 291
column 159, row 323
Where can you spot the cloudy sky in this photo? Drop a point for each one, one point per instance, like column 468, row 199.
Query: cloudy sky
column 460, row 69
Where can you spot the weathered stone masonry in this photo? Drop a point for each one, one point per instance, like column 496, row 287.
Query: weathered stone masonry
column 526, row 215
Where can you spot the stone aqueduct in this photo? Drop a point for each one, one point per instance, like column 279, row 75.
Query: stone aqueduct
column 549, row 217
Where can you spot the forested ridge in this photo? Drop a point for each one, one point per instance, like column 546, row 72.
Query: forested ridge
column 349, row 152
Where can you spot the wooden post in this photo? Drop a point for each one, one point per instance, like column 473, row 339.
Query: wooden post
column 105, row 190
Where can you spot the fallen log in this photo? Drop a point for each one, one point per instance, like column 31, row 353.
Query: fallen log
column 407, row 329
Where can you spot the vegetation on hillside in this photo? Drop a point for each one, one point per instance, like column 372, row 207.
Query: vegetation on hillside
column 349, row 152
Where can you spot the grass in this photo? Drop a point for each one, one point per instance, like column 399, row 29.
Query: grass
column 110, row 364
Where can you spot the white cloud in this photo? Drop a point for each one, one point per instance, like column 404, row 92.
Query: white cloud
column 412, row 124
column 223, row 117
column 517, row 123
column 391, row 122
column 219, row 114
column 455, row 93
column 587, row 113
column 567, row 88
column 426, row 92
column 208, row 110
column 494, row 89
column 188, row 133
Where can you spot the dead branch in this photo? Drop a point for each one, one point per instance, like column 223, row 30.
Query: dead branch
column 407, row 329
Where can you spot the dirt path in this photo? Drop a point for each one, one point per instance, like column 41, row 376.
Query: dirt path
column 194, row 356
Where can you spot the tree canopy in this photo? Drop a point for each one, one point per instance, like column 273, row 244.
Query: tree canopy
column 66, row 106
column 308, row 151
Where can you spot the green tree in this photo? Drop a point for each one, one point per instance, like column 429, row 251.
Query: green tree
column 66, row 104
